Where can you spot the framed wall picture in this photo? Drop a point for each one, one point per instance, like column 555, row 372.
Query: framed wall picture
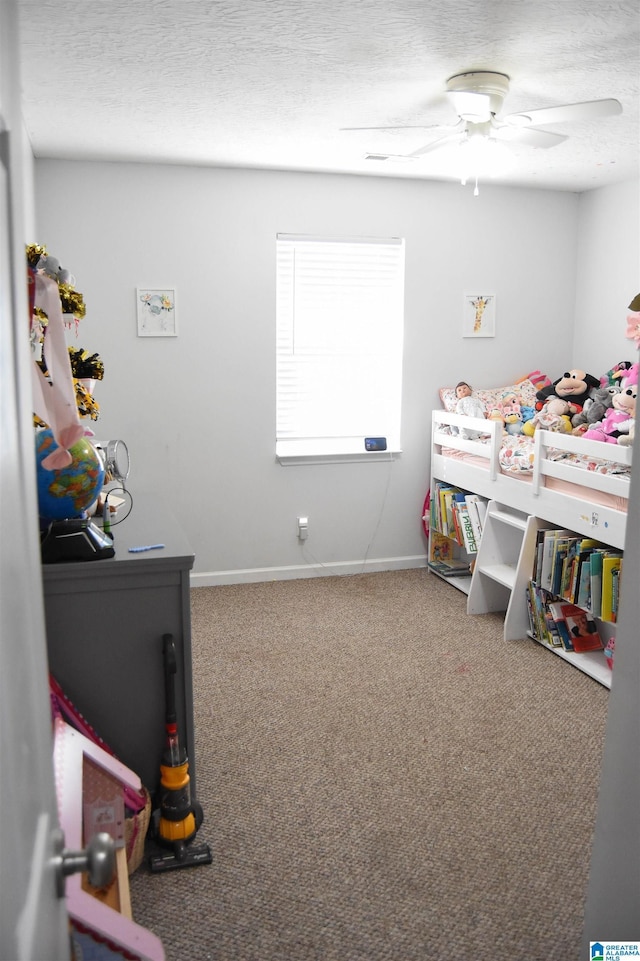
column 479, row 316
column 156, row 311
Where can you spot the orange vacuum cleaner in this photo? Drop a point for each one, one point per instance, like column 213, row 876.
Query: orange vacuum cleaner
column 178, row 818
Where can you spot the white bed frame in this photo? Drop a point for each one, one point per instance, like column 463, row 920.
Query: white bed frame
column 579, row 513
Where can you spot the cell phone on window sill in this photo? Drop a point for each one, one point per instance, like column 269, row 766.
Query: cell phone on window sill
column 375, row 443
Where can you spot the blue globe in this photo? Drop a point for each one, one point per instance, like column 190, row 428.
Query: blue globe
column 70, row 491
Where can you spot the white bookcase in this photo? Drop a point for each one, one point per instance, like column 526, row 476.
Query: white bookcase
column 501, row 573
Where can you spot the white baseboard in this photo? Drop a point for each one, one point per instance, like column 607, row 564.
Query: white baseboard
column 255, row 575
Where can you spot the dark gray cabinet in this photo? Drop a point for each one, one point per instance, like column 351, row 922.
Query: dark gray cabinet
column 105, row 622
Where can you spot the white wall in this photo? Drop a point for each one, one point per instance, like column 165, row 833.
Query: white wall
column 608, row 274
column 197, row 412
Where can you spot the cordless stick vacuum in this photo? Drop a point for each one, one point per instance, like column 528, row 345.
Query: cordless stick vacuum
column 178, row 818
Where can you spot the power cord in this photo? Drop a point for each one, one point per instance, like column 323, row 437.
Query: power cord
column 107, row 523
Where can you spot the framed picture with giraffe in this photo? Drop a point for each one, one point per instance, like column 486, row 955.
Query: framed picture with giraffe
column 479, row 317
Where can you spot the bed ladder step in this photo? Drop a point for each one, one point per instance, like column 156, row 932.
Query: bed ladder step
column 503, row 567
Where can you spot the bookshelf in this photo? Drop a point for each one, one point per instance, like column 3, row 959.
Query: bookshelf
column 574, row 582
column 455, row 522
column 497, row 575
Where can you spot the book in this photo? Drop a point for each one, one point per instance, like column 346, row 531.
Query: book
column 555, row 608
column 548, row 553
column 561, row 563
column 615, row 574
column 595, row 566
column 469, row 541
column 610, row 563
column 472, row 507
column 537, row 561
column 452, row 568
column 582, row 629
column 441, row 548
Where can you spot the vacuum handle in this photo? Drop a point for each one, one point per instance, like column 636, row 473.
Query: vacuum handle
column 170, row 668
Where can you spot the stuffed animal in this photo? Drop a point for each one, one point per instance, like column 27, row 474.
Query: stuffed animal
column 573, row 386
column 511, row 412
column 595, row 407
column 620, row 417
column 615, row 375
column 626, row 440
column 555, row 415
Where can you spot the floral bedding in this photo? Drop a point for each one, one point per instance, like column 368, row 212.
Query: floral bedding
column 516, row 456
column 516, row 451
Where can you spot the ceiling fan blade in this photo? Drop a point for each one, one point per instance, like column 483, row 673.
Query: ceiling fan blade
column 530, row 136
column 435, row 145
column 408, row 126
column 566, row 113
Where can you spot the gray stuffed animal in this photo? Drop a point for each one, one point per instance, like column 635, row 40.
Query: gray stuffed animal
column 595, row 406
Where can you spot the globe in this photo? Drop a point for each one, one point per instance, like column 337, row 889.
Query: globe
column 70, row 491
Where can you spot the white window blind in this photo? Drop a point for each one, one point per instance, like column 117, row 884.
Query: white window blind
column 340, row 321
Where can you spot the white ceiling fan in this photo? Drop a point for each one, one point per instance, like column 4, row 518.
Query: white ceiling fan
column 477, row 98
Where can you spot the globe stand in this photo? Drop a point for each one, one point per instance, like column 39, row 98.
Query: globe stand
column 75, row 539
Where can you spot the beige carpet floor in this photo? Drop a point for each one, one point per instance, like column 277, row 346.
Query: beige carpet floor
column 383, row 779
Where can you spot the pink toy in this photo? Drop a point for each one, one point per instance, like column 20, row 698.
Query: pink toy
column 620, row 418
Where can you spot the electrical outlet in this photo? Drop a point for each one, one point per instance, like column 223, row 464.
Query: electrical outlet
column 303, row 528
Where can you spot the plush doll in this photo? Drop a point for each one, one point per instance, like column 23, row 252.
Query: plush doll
column 620, row 417
column 555, row 415
column 615, row 375
column 470, row 407
column 626, row 440
column 511, row 412
column 573, row 386
column 595, row 407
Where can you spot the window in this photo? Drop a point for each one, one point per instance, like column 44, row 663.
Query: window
column 340, row 318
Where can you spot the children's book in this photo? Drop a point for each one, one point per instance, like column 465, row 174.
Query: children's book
column 440, row 547
column 582, row 629
column 595, row 565
column 469, row 540
column 610, row 563
column 555, row 609
column 472, row 507
column 537, row 564
column 548, row 554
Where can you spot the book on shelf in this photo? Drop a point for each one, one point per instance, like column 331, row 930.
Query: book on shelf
column 452, row 568
column 545, row 579
column 582, row 629
column 555, row 609
column 543, row 624
column 537, row 560
column 611, row 568
column 475, row 505
column 468, row 536
column 441, row 548
column 595, row 571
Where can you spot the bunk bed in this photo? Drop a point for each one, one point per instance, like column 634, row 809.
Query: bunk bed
column 560, row 478
column 551, row 480
column 575, row 483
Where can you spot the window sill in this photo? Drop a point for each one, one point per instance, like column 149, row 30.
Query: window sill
column 357, row 457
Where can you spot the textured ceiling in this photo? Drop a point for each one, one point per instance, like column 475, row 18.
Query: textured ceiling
column 270, row 83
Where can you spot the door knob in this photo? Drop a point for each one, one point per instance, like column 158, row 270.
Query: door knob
column 98, row 859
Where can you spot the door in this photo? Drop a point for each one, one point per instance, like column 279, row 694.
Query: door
column 33, row 920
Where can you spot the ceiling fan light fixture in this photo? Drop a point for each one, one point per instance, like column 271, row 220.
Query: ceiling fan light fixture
column 485, row 85
column 473, row 107
column 482, row 158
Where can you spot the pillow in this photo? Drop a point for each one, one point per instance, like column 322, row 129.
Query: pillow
column 491, row 397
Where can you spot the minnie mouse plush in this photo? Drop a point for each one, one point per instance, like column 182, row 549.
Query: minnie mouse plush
column 620, row 418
